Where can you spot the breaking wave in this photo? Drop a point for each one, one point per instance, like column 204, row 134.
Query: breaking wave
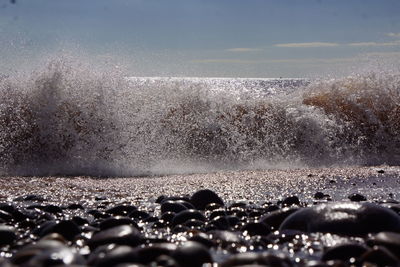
column 68, row 119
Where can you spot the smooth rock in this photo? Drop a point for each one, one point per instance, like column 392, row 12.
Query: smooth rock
column 192, row 254
column 344, row 218
column 7, row 235
column 292, row 200
column 257, row 259
column 389, row 240
column 187, row 215
column 357, row 197
column 172, row 206
column 381, row 257
column 344, row 252
column 121, row 235
column 203, row 197
column 275, row 218
column 256, row 228
column 121, row 210
column 116, row 221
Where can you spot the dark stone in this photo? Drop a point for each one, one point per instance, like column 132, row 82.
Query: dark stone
column 58, row 256
column 389, row 240
column 30, row 197
column 203, row 239
column 160, row 199
column 185, row 202
column 271, row 208
column 225, row 238
column 380, row 256
column 357, row 197
column 180, row 229
column 68, row 229
column 220, row 222
column 172, row 206
column 75, row 206
column 186, row 215
column 52, row 209
column 79, row 220
column 193, row 223
column 239, row 212
column 98, row 214
column 275, row 218
column 217, row 213
column 121, row 210
column 344, row 252
column 256, row 228
column 319, row 195
column 213, row 206
column 192, row 254
column 233, row 220
column 165, row 261
column 116, row 221
column 168, row 216
column 120, row 235
column 139, row 215
column 7, row 235
column 112, row 255
column 28, row 252
column 289, row 201
column 149, row 254
column 256, row 259
column 203, row 197
column 344, row 218
column 5, row 216
column 380, row 171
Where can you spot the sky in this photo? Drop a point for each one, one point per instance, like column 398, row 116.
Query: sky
column 215, row 38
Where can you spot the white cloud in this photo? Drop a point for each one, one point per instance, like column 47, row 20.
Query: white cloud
column 278, row 61
column 243, row 49
column 394, row 43
column 307, row 45
column 393, row 34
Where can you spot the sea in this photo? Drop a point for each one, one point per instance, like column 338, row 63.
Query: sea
column 73, row 119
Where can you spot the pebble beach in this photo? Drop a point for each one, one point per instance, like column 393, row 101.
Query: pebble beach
column 279, row 217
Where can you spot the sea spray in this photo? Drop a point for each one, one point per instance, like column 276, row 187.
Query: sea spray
column 69, row 118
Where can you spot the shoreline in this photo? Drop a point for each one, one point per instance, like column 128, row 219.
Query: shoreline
column 376, row 183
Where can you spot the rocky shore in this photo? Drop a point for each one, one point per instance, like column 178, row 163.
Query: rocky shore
column 183, row 224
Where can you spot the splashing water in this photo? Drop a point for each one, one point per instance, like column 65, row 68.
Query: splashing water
column 70, row 119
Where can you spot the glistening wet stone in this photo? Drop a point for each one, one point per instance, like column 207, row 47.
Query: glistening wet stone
column 241, row 233
column 344, row 218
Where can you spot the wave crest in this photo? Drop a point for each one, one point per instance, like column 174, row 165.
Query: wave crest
column 72, row 119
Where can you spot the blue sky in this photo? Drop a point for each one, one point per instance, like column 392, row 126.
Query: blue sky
column 239, row 38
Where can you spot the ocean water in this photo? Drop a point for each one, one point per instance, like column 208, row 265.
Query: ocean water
column 68, row 118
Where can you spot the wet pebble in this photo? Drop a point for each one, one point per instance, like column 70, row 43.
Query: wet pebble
column 344, row 218
column 204, row 197
column 7, row 235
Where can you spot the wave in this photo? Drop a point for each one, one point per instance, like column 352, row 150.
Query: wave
column 72, row 119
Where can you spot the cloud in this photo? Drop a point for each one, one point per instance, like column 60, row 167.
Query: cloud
column 393, row 34
column 394, row 43
column 243, row 49
column 277, row 61
column 307, row 45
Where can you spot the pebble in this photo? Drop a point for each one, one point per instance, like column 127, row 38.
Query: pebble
column 7, row 235
column 121, row 235
column 180, row 231
column 343, row 218
column 357, row 197
column 202, row 198
column 192, row 254
column 187, row 215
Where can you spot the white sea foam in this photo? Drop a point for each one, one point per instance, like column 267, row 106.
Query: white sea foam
column 70, row 118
